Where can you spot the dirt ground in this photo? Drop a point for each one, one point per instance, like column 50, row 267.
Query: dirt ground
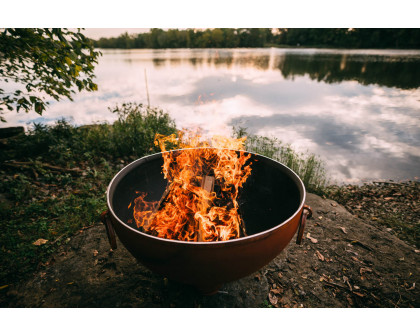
column 343, row 262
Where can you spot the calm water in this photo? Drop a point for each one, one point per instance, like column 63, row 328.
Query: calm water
column 358, row 110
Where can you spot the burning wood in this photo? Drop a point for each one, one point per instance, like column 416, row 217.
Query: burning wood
column 207, row 184
column 200, row 202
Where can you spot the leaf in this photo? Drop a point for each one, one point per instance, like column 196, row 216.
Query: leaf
column 324, row 278
column 365, row 270
column 39, row 107
column 273, row 299
column 319, row 255
column 95, row 253
column 68, row 60
column 411, row 288
column 277, row 290
column 39, row 242
column 93, row 86
column 343, row 229
column 313, row 240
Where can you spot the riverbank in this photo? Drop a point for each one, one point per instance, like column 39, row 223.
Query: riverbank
column 394, row 206
column 343, row 262
column 53, row 182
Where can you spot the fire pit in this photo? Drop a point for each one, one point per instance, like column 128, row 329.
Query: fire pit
column 271, row 205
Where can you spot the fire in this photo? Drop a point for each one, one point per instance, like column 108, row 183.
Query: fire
column 200, row 202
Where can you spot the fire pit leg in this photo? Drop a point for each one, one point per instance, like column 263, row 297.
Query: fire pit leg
column 306, row 213
column 109, row 229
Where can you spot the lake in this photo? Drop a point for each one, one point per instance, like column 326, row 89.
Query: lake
column 359, row 110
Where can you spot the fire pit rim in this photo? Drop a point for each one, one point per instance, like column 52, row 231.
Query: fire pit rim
column 258, row 235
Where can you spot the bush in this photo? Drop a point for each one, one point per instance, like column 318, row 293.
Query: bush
column 135, row 129
column 131, row 136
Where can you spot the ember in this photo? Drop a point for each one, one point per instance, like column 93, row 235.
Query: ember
column 200, row 200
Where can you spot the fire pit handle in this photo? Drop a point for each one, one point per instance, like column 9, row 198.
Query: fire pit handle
column 306, row 213
column 109, row 229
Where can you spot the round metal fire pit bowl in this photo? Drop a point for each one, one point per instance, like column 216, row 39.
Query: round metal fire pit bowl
column 271, row 205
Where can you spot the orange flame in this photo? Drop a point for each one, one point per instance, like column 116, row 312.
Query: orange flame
column 189, row 209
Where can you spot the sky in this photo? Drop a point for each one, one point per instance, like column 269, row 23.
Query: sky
column 217, row 13
column 97, row 33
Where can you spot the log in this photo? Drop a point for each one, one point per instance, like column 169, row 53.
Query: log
column 207, row 183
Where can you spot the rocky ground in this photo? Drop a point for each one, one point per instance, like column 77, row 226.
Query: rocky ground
column 393, row 205
column 344, row 261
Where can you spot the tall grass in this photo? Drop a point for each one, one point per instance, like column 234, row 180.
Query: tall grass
column 307, row 166
column 130, row 136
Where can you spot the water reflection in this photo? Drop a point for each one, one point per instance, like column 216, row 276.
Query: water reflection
column 387, row 71
column 359, row 110
column 391, row 70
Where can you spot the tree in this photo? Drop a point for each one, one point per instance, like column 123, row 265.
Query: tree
column 41, row 63
column 217, row 38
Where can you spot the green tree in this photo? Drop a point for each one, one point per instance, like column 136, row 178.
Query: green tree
column 42, row 63
column 217, row 38
column 231, row 38
column 157, row 38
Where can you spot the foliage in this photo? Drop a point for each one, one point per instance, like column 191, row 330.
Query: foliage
column 134, row 131
column 307, row 166
column 41, row 63
column 63, row 144
column 261, row 37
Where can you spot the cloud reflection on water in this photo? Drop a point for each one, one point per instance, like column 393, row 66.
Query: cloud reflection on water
column 358, row 110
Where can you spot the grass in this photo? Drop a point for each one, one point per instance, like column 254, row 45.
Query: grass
column 308, row 167
column 39, row 202
column 42, row 203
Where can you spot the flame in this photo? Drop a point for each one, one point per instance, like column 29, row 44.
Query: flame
column 190, row 210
